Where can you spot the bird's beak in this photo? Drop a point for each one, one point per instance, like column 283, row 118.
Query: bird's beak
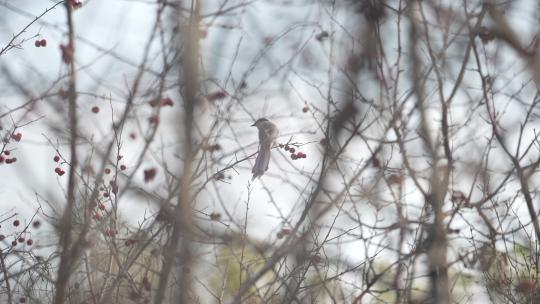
column 253, row 125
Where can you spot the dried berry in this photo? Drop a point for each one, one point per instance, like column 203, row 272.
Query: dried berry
column 17, row 137
column 321, row 36
column 214, row 216
column 216, row 95
column 166, row 102
column 154, row 119
column 149, row 174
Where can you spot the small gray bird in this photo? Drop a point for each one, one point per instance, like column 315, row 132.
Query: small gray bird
column 268, row 133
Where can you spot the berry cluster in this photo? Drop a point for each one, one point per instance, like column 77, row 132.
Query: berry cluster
column 75, row 4
column 283, row 232
column 4, row 152
column 149, row 174
column 17, row 137
column 40, row 43
column 58, row 170
column 8, row 160
column 294, row 154
column 20, row 236
column 161, row 103
column 216, row 95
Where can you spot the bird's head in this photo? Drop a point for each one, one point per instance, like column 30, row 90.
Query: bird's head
column 259, row 122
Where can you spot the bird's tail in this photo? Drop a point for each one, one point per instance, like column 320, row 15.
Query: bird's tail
column 261, row 162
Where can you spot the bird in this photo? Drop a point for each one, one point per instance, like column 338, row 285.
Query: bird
column 268, row 133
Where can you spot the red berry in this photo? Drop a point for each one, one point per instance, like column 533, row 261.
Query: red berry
column 101, row 206
column 7, row 152
column 56, row 158
column 285, row 231
column 59, row 171
column 305, row 109
column 21, row 240
column 122, row 167
column 107, row 171
column 216, row 95
column 149, row 174
column 14, row 243
column 29, row 242
column 17, row 137
column 2, row 237
column 2, row 159
column 37, row 43
column 11, row 160
column 166, row 102
column 293, row 156
column 119, row 157
column 16, row 223
column 154, row 103
column 304, row 155
column 526, row 286
column 75, row 3
column 22, row 300
column 95, row 109
column 43, row 42
column 36, row 224
column 154, row 119
column 132, row 135
column 292, row 150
